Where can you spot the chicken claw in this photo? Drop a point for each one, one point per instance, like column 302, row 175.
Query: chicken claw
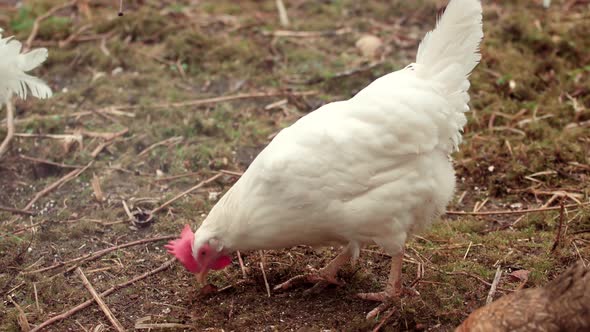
column 387, row 298
column 393, row 288
column 320, row 278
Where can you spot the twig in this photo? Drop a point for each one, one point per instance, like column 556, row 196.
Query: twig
column 48, row 162
column 560, row 226
column 107, row 311
column 264, row 273
column 127, row 211
column 110, row 140
column 36, row 298
column 465, row 273
column 71, row 137
column 467, row 252
column 307, row 34
column 578, row 252
column 224, row 171
column 283, row 17
column 91, row 256
column 98, row 194
column 215, row 100
column 174, row 177
column 17, row 211
column 188, row 191
column 487, row 213
column 244, row 274
column 71, row 175
column 22, row 318
column 73, row 36
column 385, row 318
column 39, row 19
column 494, row 286
column 107, row 110
column 171, row 140
column 106, row 293
column 9, row 128
column 15, row 288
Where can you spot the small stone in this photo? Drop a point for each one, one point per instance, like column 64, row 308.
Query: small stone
column 369, row 45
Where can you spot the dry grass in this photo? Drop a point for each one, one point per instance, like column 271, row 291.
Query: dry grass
column 527, row 145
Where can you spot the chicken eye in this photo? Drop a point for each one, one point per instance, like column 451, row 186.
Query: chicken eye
column 203, row 253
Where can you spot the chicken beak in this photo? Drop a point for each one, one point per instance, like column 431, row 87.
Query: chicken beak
column 202, row 277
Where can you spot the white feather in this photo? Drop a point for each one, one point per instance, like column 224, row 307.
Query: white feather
column 371, row 169
column 13, row 68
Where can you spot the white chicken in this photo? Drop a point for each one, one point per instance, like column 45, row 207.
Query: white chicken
column 13, row 68
column 371, row 169
column 13, row 79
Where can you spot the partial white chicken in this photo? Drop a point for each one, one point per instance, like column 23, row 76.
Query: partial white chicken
column 371, row 169
column 13, row 68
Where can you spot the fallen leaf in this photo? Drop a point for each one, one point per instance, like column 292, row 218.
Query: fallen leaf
column 520, row 275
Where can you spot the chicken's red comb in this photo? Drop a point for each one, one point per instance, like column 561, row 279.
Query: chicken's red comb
column 182, row 249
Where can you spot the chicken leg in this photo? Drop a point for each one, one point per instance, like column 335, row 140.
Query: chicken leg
column 393, row 288
column 321, row 278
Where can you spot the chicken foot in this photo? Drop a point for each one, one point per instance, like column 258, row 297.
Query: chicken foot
column 393, row 288
column 321, row 278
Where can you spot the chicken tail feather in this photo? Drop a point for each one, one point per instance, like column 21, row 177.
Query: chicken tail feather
column 450, row 52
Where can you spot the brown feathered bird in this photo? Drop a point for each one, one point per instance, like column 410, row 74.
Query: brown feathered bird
column 562, row 305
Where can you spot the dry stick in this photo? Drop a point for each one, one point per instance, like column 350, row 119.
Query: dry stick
column 306, row 34
column 467, row 252
column 71, row 175
column 20, row 230
column 244, row 274
column 75, row 137
column 106, row 293
column 91, row 256
column 73, row 36
column 171, row 140
column 224, row 171
column 560, row 226
column 283, row 17
column 22, row 318
column 465, row 273
column 107, row 311
column 108, row 142
column 15, row 288
column 9, row 128
column 17, row 211
column 487, row 213
column 38, row 21
column 215, row 100
column 98, row 194
column 378, row 327
column 36, row 298
column 264, row 273
column 174, row 177
column 188, row 191
column 127, row 211
column 494, row 286
column 108, row 110
column 48, row 162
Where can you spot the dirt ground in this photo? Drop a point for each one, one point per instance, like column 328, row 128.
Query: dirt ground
column 133, row 97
